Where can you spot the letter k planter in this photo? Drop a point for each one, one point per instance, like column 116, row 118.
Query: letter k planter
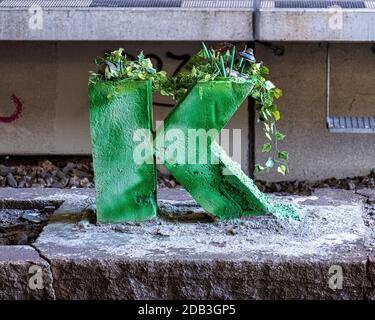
column 127, row 191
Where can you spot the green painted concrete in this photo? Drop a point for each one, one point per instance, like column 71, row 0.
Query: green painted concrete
column 210, row 105
column 125, row 191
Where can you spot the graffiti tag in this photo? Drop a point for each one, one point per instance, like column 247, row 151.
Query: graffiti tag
column 17, row 112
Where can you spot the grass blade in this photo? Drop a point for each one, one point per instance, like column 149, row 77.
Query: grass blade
column 240, row 64
column 232, row 61
column 223, row 67
column 206, row 52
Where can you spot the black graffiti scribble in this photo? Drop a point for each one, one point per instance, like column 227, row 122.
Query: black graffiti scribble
column 184, row 59
column 157, row 61
column 16, row 114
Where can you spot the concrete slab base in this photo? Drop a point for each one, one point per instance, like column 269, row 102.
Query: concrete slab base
column 172, row 258
column 20, row 267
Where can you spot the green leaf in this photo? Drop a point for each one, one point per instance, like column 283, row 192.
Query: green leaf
column 281, row 169
column 270, row 163
column 259, row 168
column 277, row 93
column 151, row 70
column 268, row 136
column 112, row 67
column 279, row 136
column 283, row 155
column 264, row 70
column 267, row 113
column 141, row 56
column 107, row 73
column 276, row 114
column 273, row 108
column 266, row 147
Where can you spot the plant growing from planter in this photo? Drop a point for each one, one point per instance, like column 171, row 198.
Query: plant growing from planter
column 120, row 96
column 208, row 91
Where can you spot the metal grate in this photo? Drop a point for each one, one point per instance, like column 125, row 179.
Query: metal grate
column 174, row 3
column 44, row 3
column 217, row 4
column 351, row 124
column 344, row 124
column 317, row 4
column 137, row 3
column 370, row 4
column 291, row 4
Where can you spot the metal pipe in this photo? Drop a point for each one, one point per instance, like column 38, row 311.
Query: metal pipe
column 328, row 84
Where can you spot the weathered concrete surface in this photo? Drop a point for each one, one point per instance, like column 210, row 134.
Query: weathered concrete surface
column 15, row 263
column 132, row 24
column 331, row 24
column 314, row 152
column 257, row 258
column 188, row 23
column 371, row 276
column 369, row 219
column 39, row 198
column 369, row 194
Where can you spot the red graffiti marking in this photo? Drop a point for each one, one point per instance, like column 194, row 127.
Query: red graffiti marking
column 16, row 114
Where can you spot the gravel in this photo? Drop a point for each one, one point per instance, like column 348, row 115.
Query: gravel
column 306, row 187
column 78, row 173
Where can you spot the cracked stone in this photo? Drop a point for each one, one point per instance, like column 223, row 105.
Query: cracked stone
column 369, row 194
column 270, row 258
column 16, row 267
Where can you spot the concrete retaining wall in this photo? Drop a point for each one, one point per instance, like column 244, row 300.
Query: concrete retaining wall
column 50, row 78
column 314, row 152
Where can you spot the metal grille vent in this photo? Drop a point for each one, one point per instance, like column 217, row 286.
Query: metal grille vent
column 351, row 124
column 137, row 3
column 370, row 4
column 217, row 4
column 344, row 124
column 291, row 4
column 317, row 4
column 45, row 3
